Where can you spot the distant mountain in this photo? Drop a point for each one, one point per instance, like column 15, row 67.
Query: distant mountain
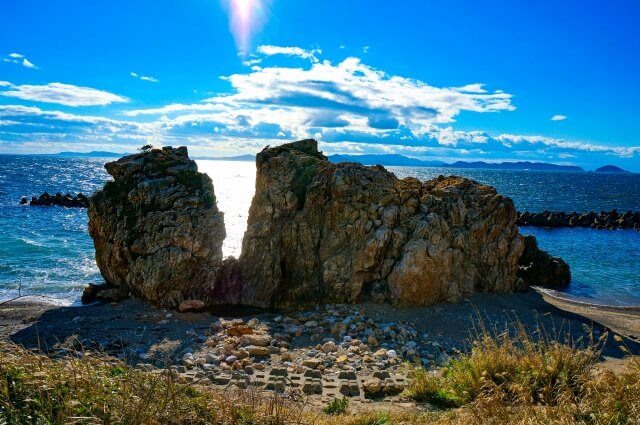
column 400, row 160
column 228, row 158
column 610, row 169
column 94, row 154
column 386, row 159
column 521, row 165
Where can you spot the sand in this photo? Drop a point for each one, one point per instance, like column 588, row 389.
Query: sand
column 37, row 323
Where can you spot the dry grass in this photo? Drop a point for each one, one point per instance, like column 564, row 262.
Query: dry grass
column 507, row 378
column 520, row 377
column 95, row 389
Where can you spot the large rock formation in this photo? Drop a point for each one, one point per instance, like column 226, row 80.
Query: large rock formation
column 324, row 232
column 156, row 228
column 317, row 232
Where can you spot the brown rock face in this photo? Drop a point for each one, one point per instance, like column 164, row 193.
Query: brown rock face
column 324, row 232
column 317, row 232
column 156, row 228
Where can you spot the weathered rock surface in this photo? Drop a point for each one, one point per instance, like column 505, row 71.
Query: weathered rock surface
column 537, row 267
column 318, row 232
column 324, row 232
column 156, row 228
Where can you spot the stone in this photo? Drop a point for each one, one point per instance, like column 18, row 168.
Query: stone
column 329, row 347
column 191, row 306
column 372, row 387
column 258, row 351
column 312, row 363
column 537, row 267
column 255, row 339
column 156, row 228
column 231, row 360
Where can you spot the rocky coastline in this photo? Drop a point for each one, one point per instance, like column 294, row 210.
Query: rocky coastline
column 317, row 232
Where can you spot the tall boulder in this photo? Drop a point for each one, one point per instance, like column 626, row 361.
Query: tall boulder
column 324, row 232
column 156, row 228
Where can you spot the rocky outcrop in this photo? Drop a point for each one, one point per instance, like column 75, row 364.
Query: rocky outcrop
column 318, row 232
column 537, row 267
column 604, row 220
column 68, row 200
column 323, row 232
column 156, row 228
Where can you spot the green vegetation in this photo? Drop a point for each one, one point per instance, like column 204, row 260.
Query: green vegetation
column 337, row 406
column 507, row 378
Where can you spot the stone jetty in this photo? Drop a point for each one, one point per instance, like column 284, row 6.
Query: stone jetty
column 68, row 200
column 602, row 220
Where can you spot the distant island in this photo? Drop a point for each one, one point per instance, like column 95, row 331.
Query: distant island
column 611, row 169
column 394, row 160
column 400, row 160
column 92, row 154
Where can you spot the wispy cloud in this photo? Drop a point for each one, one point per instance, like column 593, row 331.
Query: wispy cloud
column 62, row 94
column 558, row 118
column 144, row 77
column 20, row 59
column 290, row 51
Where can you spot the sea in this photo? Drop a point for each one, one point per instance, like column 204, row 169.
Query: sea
column 47, row 251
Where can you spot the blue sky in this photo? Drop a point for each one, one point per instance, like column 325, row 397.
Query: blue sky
column 451, row 80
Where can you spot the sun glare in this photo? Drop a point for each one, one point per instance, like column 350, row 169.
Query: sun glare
column 247, row 17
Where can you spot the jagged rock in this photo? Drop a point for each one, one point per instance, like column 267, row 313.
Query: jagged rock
column 324, row 232
column 69, row 201
column 539, row 268
column 156, row 228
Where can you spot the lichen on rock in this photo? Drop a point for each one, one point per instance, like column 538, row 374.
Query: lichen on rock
column 156, row 228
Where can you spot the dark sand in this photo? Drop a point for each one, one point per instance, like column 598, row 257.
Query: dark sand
column 132, row 325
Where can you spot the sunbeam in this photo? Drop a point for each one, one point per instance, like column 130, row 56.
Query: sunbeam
column 247, row 17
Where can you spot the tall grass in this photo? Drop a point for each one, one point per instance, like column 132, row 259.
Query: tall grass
column 511, row 377
column 518, row 376
column 95, row 389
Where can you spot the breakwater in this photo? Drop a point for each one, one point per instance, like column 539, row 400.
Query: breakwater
column 602, row 220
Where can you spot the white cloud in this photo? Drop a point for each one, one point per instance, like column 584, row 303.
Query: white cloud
column 558, row 118
column 27, row 64
column 290, row 51
column 348, row 105
column 365, row 49
column 19, row 59
column 144, row 77
column 63, row 94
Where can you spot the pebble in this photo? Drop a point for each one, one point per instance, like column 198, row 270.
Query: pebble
column 230, row 359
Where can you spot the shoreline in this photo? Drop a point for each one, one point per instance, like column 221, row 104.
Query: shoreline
column 624, row 320
column 200, row 344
